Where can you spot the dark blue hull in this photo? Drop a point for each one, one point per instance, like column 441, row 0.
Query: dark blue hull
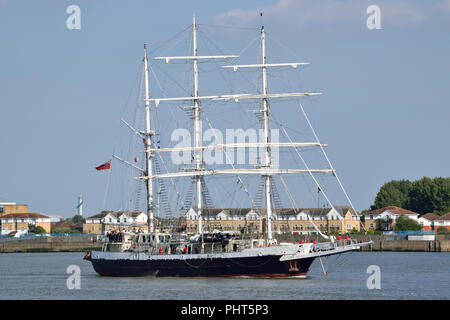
column 259, row 266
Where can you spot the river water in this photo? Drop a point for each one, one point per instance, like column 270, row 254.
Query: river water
column 403, row 275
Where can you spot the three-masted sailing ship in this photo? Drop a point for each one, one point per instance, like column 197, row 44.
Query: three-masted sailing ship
column 163, row 254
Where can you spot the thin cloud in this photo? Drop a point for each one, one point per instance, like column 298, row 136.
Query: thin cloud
column 303, row 13
column 445, row 4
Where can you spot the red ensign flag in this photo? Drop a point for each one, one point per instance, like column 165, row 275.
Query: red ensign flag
column 106, row 165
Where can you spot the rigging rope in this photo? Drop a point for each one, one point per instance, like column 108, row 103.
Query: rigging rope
column 295, row 207
column 307, row 168
column 328, row 160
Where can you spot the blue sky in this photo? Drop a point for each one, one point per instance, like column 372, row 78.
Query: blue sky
column 384, row 112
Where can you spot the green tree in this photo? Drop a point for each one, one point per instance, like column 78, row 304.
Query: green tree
column 429, row 195
column 78, row 219
column 422, row 196
column 39, row 229
column 64, row 230
column 443, row 230
column 403, row 223
column 393, row 193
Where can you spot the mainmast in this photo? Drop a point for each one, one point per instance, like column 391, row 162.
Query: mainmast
column 148, row 145
column 267, row 156
column 198, row 149
column 197, row 128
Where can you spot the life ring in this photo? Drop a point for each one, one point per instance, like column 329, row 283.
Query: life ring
column 134, row 245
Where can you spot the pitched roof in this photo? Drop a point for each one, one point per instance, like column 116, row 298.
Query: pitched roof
column 444, row 217
column 26, row 215
column 131, row 213
column 344, row 209
column 282, row 212
column 430, row 216
column 115, row 214
column 209, row 212
column 316, row 212
column 393, row 209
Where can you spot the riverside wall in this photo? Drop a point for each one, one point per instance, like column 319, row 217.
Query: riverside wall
column 384, row 242
column 51, row 244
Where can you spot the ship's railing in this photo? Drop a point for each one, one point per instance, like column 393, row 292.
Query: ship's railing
column 113, row 246
column 322, row 246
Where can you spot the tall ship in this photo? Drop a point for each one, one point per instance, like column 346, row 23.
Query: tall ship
column 216, row 253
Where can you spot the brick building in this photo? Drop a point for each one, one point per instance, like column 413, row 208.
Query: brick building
column 110, row 220
column 341, row 219
column 15, row 217
column 384, row 219
column 432, row 221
